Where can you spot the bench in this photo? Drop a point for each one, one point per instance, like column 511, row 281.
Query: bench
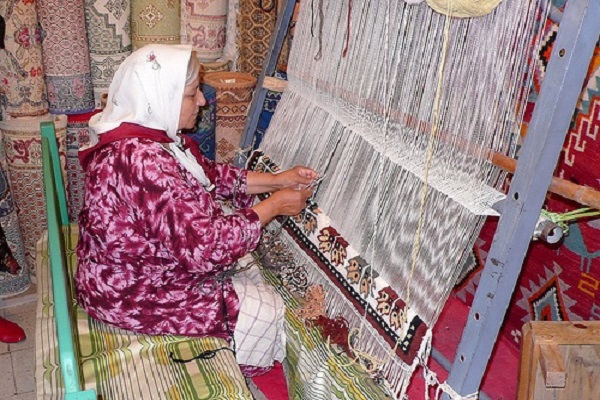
column 79, row 358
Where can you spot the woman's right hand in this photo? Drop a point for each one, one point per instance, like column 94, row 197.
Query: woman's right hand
column 282, row 202
column 291, row 201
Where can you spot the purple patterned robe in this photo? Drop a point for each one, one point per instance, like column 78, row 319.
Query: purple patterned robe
column 153, row 240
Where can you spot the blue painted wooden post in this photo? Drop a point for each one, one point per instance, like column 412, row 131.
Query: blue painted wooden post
column 577, row 37
column 260, row 93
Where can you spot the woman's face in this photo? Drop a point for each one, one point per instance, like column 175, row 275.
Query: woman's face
column 193, row 99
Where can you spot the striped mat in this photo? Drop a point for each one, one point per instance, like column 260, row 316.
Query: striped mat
column 121, row 365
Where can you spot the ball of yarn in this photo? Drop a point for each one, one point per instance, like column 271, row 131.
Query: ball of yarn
column 464, row 8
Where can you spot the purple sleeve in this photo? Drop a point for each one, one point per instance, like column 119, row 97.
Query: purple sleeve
column 186, row 218
column 230, row 182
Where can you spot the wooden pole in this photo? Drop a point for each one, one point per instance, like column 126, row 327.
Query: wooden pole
column 581, row 194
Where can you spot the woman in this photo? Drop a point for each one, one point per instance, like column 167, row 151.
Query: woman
column 156, row 251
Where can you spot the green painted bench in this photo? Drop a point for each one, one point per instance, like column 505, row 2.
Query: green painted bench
column 78, row 358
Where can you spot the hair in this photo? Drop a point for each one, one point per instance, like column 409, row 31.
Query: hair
column 193, row 69
column 2, row 31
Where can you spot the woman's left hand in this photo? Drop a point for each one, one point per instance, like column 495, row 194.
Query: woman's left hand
column 297, row 177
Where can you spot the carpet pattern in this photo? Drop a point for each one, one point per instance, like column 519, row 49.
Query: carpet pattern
column 347, row 272
column 66, row 56
column 22, row 140
column 204, row 135
column 22, row 84
column 272, row 99
column 204, row 26
column 155, row 21
column 255, row 25
column 109, row 39
column 11, row 283
column 559, row 282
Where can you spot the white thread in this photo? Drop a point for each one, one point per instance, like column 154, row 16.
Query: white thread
column 334, row 114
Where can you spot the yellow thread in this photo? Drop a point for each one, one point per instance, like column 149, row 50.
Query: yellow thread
column 361, row 355
column 432, row 136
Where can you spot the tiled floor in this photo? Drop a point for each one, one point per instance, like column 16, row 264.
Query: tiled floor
column 17, row 360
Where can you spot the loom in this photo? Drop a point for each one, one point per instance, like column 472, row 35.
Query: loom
column 403, row 108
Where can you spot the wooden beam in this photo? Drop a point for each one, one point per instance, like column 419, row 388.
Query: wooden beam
column 552, row 365
column 584, row 195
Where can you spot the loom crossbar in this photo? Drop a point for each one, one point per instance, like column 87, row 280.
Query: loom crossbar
column 577, row 36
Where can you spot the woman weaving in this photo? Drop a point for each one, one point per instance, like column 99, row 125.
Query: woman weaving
column 157, row 253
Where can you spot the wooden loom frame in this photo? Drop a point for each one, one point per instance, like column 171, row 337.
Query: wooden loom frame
column 577, row 37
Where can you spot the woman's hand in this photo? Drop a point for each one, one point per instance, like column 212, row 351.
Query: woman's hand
column 297, row 178
column 283, row 202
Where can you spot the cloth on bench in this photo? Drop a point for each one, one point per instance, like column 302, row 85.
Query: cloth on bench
column 259, row 333
column 122, row 365
column 313, row 370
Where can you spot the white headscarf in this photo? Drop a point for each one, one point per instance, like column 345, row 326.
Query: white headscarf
column 147, row 90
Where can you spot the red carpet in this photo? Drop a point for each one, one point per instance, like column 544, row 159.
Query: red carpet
column 500, row 379
column 273, row 384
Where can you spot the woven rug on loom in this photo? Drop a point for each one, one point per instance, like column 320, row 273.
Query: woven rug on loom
column 359, row 283
column 233, row 95
column 22, row 85
column 357, row 127
column 155, row 21
column 203, row 25
column 22, row 140
column 14, row 279
column 558, row 282
column 77, row 136
column 66, row 56
column 109, row 40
